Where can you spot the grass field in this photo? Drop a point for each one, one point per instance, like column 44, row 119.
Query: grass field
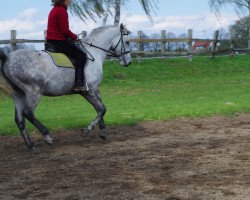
column 153, row 90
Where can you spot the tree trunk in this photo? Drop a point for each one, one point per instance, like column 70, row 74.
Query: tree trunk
column 248, row 3
column 105, row 17
column 106, row 14
column 117, row 12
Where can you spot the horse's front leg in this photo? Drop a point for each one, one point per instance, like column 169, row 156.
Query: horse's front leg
column 102, row 126
column 104, row 133
column 93, row 97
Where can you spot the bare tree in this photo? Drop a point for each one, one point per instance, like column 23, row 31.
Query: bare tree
column 240, row 6
column 118, row 4
column 224, row 37
column 155, row 45
column 147, row 6
column 107, row 12
column 240, row 30
column 170, row 45
column 224, row 34
column 7, row 48
column 181, row 45
column 87, row 8
column 102, row 8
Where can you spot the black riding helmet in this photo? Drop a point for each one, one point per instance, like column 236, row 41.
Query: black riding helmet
column 54, row 2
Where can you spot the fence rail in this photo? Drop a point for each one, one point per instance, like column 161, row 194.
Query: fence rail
column 19, row 41
column 140, row 41
column 171, row 40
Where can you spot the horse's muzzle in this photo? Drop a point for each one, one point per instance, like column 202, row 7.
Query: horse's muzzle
column 127, row 64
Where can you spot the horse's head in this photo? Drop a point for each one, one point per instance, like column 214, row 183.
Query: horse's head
column 120, row 46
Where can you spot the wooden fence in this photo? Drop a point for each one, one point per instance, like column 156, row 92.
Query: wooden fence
column 164, row 40
column 14, row 41
column 140, row 40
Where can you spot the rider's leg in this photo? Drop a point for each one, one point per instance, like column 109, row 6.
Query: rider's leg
column 79, row 60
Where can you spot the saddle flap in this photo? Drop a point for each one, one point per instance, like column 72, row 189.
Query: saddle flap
column 61, row 60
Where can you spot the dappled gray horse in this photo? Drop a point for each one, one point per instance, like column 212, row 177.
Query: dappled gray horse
column 28, row 74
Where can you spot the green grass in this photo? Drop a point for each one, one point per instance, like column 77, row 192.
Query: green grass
column 154, row 90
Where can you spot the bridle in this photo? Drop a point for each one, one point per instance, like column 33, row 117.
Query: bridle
column 112, row 52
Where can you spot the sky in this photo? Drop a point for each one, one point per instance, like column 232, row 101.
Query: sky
column 29, row 18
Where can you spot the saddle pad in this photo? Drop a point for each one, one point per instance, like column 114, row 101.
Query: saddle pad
column 61, row 60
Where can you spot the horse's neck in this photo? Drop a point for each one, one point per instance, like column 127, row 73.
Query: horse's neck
column 102, row 40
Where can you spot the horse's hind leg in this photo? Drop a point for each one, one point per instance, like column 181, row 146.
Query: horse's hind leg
column 31, row 102
column 19, row 99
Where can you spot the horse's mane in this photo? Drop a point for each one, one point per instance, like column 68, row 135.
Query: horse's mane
column 101, row 28
column 96, row 31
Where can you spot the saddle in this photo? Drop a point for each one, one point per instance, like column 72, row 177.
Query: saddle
column 59, row 58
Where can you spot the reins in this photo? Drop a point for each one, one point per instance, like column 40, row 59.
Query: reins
column 112, row 53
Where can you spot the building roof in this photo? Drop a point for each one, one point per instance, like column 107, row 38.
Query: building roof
column 199, row 44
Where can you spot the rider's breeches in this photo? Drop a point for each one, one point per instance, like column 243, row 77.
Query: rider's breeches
column 77, row 56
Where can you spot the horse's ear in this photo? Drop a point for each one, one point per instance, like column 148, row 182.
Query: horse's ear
column 122, row 27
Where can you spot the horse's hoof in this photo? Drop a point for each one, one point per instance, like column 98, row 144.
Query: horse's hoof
column 86, row 132
column 48, row 139
column 103, row 135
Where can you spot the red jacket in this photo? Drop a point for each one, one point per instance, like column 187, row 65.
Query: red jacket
column 58, row 24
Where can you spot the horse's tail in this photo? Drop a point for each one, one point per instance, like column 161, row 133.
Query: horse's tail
column 5, row 84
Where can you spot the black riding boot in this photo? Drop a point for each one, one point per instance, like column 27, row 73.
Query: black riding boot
column 80, row 83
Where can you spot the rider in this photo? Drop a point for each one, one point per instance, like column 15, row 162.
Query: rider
column 59, row 35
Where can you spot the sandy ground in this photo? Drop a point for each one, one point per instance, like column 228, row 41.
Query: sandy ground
column 205, row 158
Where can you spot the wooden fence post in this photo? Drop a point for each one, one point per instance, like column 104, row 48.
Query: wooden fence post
column 13, row 34
column 215, row 42
column 45, row 37
column 232, row 43
column 45, row 34
column 190, row 43
column 248, row 43
column 139, row 46
column 163, row 44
